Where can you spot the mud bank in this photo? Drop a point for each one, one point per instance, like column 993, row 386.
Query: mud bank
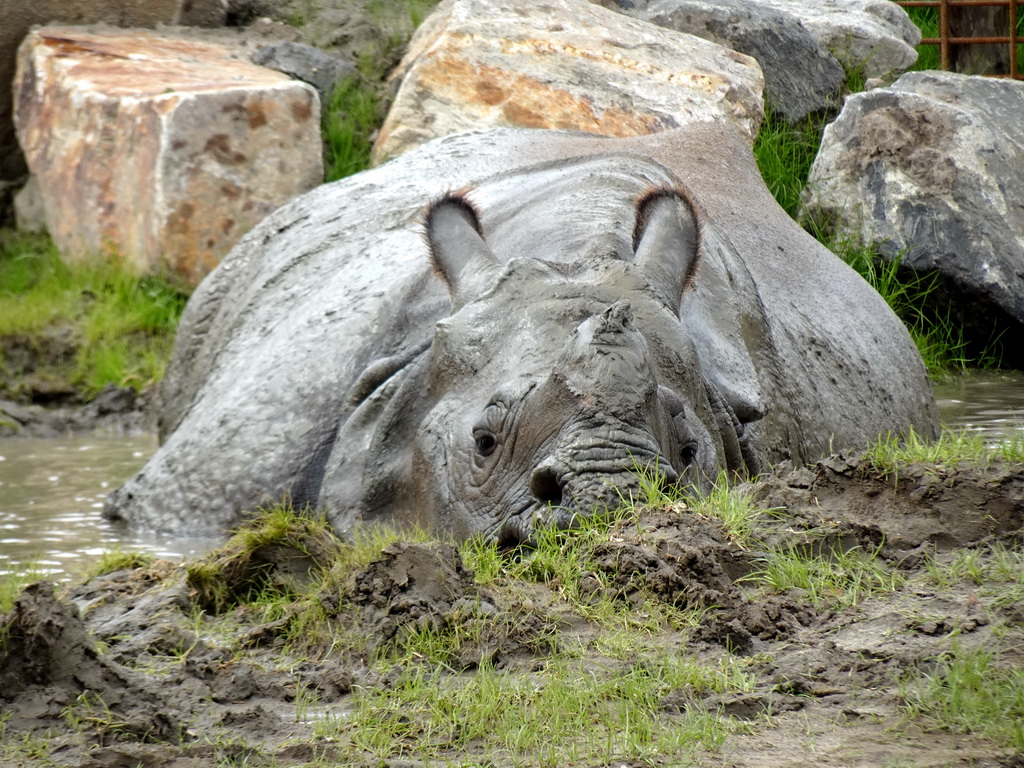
column 115, row 410
column 290, row 648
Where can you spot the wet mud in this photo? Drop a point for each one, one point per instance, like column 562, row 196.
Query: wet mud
column 146, row 667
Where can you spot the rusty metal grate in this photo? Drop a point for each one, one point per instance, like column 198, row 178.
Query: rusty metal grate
column 947, row 41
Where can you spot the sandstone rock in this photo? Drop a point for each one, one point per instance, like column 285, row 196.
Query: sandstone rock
column 304, row 62
column 17, row 16
column 161, row 149
column 563, row 64
column 872, row 37
column 933, row 169
column 801, row 76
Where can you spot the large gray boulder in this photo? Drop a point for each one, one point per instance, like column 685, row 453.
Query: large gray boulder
column 932, row 169
column 588, row 316
column 800, row 74
column 875, row 38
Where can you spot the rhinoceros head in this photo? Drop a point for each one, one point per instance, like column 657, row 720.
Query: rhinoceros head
column 551, row 385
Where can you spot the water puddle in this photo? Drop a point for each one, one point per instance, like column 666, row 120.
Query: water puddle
column 51, row 497
column 52, row 491
column 989, row 404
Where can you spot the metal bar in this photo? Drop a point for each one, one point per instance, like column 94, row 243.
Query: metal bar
column 1014, row 72
column 973, row 3
column 944, row 35
column 951, row 3
column 945, row 40
column 967, row 40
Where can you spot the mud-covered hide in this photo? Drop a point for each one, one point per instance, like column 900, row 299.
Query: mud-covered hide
column 302, row 356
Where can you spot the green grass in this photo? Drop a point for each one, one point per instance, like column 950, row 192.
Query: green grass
column 971, row 691
column 11, row 584
column 835, row 578
column 565, row 713
column 784, row 155
column 350, row 119
column 118, row 559
column 889, row 453
column 359, row 103
column 995, row 572
column 119, row 327
column 733, row 507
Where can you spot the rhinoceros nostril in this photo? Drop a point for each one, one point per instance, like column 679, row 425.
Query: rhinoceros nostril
column 545, row 487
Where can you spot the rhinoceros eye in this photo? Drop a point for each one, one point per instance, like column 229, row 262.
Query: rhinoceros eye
column 485, row 442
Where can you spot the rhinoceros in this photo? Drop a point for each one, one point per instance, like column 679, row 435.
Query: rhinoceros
column 505, row 329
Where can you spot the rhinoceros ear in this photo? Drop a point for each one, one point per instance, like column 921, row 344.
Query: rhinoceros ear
column 666, row 242
column 458, row 253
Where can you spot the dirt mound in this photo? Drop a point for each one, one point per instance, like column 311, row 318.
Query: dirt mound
column 946, row 507
column 49, row 663
column 412, row 585
column 289, row 648
column 689, row 562
column 277, row 557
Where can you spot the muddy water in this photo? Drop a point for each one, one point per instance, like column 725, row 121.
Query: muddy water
column 52, row 491
column 51, row 496
column 991, row 404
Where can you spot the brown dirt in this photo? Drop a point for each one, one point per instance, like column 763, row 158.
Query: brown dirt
column 180, row 691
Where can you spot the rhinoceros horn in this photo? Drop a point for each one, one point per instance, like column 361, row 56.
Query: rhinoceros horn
column 606, row 366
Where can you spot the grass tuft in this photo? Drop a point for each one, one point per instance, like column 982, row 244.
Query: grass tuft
column 836, row 578
column 972, row 691
column 118, row 559
column 11, row 584
column 108, row 326
column 889, row 453
column 733, row 506
column 785, row 154
column 349, row 122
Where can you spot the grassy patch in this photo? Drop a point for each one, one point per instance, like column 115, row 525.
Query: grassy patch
column 11, row 584
column 971, row 691
column 995, row 573
column 118, row 559
column 112, row 327
column 784, row 155
column 565, row 713
column 267, row 562
column 836, row 578
column 733, row 507
column 349, row 122
column 889, row 453
column 359, row 103
column 24, row 748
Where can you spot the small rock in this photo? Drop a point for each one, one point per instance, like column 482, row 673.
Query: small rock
column 306, row 63
column 114, row 399
column 29, row 214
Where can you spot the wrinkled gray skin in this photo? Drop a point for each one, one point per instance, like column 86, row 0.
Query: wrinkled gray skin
column 489, row 367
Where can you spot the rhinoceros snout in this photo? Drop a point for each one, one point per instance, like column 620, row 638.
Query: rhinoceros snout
column 566, row 497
